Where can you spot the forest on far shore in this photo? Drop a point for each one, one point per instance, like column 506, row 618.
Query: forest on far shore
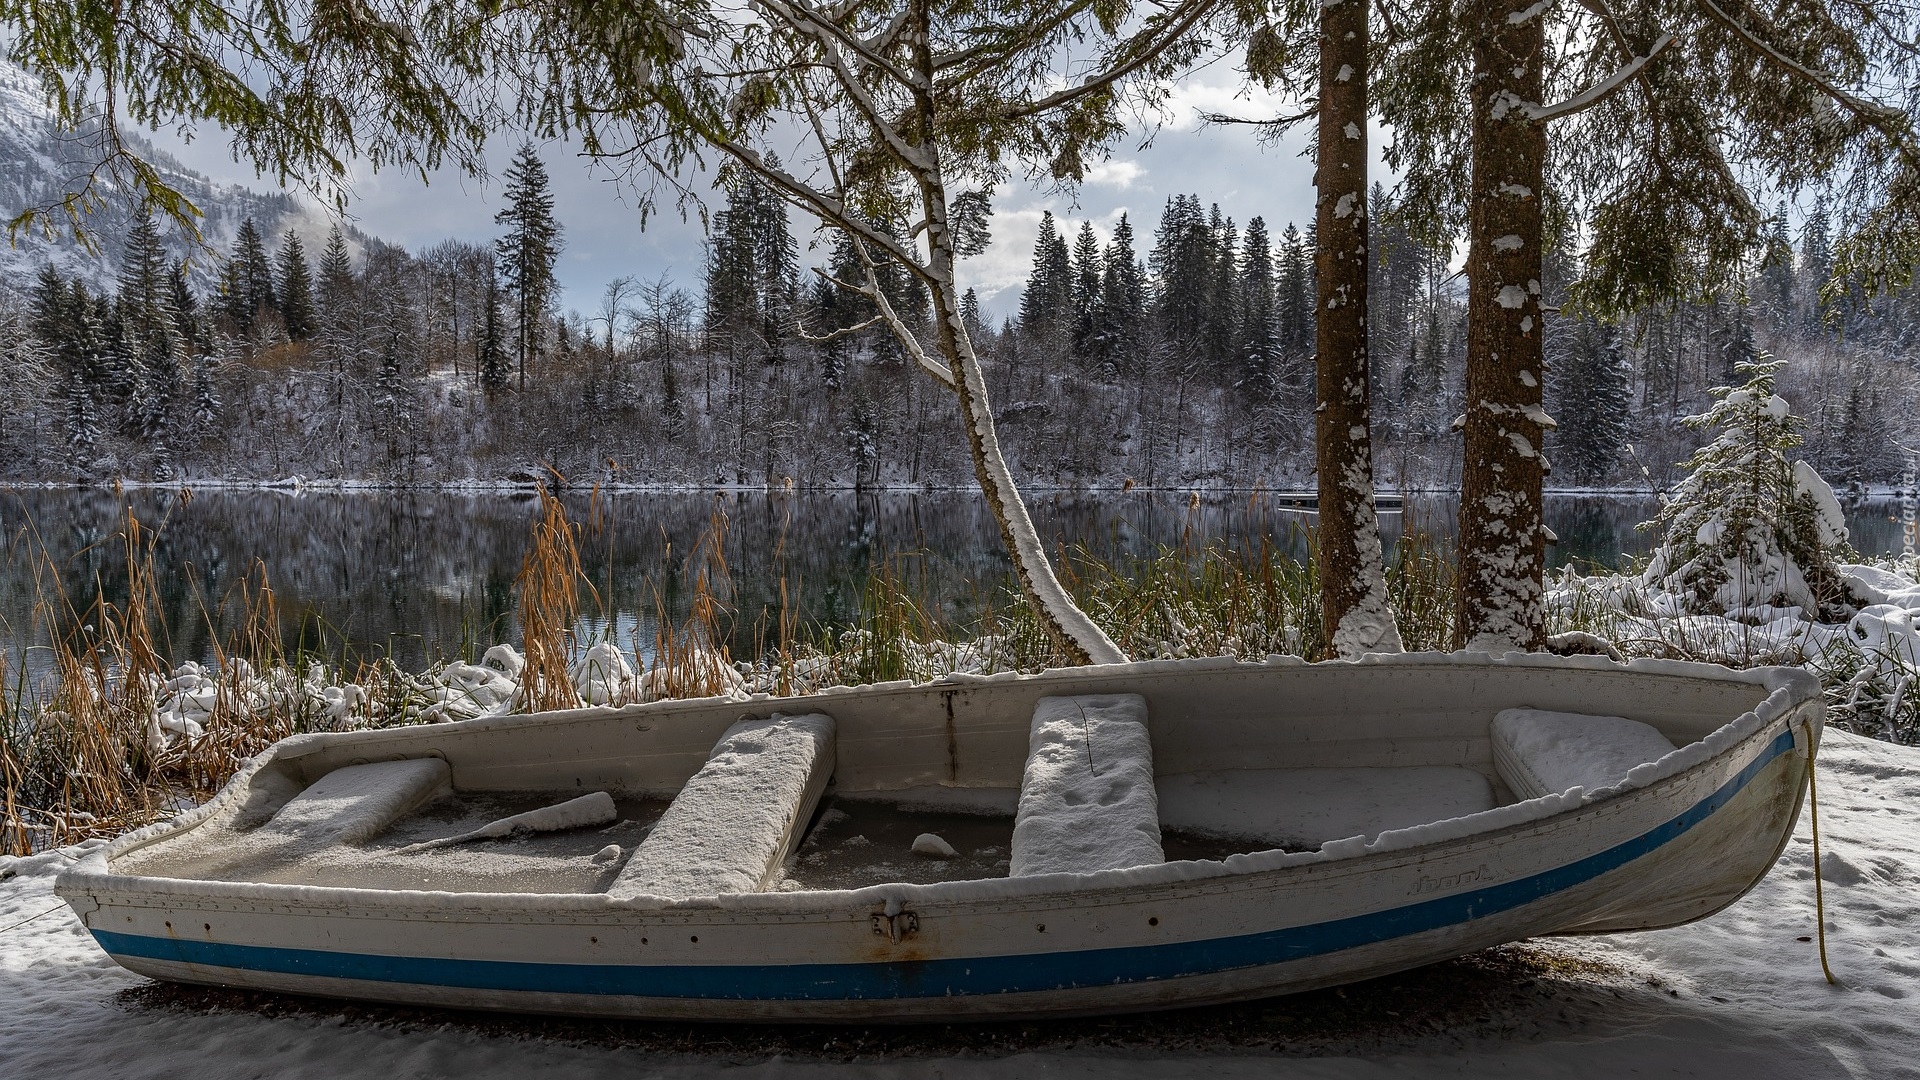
column 1176, row 354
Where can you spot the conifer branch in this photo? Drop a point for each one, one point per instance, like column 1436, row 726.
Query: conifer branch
column 1603, row 89
column 1156, row 41
column 1888, row 120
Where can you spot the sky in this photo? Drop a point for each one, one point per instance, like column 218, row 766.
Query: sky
column 1227, row 164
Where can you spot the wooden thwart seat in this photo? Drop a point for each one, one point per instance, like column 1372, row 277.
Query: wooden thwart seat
column 353, row 804
column 1540, row 753
column 739, row 817
column 1087, row 800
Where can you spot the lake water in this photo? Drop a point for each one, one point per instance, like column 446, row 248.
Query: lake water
column 420, row 576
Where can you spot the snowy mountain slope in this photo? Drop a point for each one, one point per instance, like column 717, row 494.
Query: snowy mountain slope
column 1737, row 996
column 40, row 164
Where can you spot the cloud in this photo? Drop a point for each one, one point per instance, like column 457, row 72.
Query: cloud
column 1114, row 174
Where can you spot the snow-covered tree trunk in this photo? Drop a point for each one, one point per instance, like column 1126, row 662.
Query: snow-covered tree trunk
column 1072, row 631
column 1355, row 610
column 1502, row 539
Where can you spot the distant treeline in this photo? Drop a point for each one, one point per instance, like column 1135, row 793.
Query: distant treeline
column 1187, row 365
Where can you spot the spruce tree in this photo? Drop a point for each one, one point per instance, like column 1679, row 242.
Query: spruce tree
column 1748, row 526
column 1394, row 264
column 527, row 254
column 733, row 319
column 1816, row 262
column 1730, row 341
column 161, row 389
column 79, row 352
column 1222, row 300
column 393, row 397
column 1294, row 286
column 145, row 288
column 970, row 313
column 294, row 288
column 777, row 265
column 188, row 322
column 490, row 357
column 1776, row 272
column 1257, row 332
column 122, row 364
column 1592, row 387
column 1087, row 296
column 1183, row 266
column 246, row 286
column 1423, row 385
column 82, row 415
column 49, row 310
column 335, row 314
column 1047, row 305
column 206, row 396
column 1123, row 303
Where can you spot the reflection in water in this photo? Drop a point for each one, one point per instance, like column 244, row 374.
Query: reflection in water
column 424, row 575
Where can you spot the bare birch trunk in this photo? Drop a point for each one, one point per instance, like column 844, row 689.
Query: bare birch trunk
column 1502, row 545
column 1072, row 631
column 1355, row 611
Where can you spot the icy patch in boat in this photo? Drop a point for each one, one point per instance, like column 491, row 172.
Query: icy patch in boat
column 942, row 799
column 576, row 813
column 859, row 842
column 1300, row 809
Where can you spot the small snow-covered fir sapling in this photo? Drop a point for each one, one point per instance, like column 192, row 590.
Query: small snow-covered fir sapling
column 1748, row 526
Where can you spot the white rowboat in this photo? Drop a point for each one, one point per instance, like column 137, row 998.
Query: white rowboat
column 1355, row 818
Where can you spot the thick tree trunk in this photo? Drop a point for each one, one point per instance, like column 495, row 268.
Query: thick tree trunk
column 1072, row 631
column 1355, row 611
column 1502, row 545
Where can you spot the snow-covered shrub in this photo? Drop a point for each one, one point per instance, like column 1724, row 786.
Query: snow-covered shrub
column 1748, row 528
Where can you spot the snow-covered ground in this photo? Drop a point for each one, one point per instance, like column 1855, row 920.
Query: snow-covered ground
column 1739, row 995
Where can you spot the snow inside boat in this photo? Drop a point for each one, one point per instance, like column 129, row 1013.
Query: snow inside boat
column 1086, row 840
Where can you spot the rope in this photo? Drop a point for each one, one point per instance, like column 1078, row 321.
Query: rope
column 23, row 922
column 1819, row 893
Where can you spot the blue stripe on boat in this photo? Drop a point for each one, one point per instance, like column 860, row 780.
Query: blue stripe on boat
column 939, row 978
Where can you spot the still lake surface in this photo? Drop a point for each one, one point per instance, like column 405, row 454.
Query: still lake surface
column 420, row 576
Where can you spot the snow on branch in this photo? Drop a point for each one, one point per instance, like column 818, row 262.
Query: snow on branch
column 1517, row 18
column 843, row 332
column 829, row 38
column 1145, row 49
column 817, row 25
column 901, row 331
column 1602, row 90
column 833, row 211
column 1883, row 117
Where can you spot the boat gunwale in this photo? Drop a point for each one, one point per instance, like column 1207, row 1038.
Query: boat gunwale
column 1789, row 691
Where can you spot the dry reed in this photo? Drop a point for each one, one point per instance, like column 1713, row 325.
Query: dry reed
column 692, row 659
column 549, row 587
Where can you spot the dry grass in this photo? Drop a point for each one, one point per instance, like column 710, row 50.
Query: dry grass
column 691, row 658
column 83, row 748
column 549, row 588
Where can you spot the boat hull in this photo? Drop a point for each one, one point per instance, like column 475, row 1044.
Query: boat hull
column 1667, row 852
